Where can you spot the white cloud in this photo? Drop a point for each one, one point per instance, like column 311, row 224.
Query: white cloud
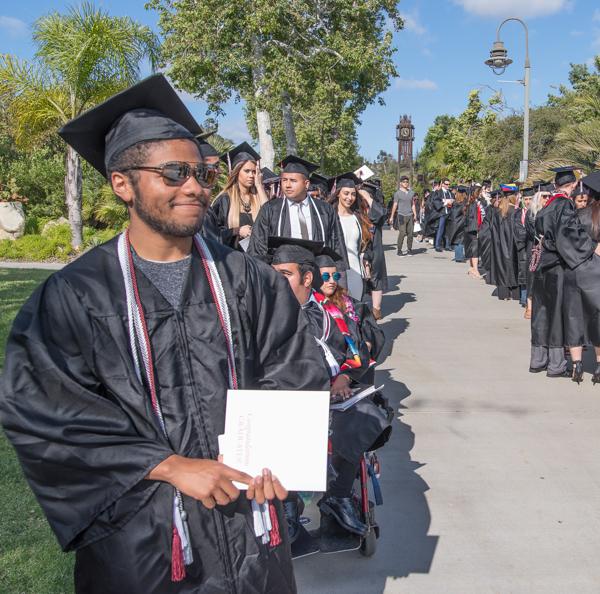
column 576, row 33
column 519, row 8
column 412, row 23
column 14, row 27
column 413, row 83
column 596, row 16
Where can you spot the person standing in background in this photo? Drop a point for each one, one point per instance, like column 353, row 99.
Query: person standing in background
column 404, row 209
column 442, row 202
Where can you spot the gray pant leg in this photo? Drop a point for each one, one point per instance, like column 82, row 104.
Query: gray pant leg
column 409, row 233
column 556, row 360
column 539, row 357
column 401, row 234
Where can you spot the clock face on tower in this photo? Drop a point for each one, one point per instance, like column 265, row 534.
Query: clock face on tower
column 405, row 132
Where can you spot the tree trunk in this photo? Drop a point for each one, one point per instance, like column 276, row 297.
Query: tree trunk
column 291, row 142
column 73, row 183
column 263, row 118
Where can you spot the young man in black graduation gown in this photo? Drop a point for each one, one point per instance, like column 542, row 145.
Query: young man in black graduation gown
column 296, row 214
column 566, row 243
column 126, row 468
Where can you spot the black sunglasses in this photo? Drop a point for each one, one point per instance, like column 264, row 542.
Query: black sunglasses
column 176, row 173
column 326, row 276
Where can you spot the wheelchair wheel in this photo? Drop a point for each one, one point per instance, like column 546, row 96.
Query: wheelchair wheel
column 368, row 546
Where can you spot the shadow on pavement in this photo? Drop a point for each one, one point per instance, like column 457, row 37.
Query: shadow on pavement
column 404, row 546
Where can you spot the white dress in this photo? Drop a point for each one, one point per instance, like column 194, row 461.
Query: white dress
column 351, row 230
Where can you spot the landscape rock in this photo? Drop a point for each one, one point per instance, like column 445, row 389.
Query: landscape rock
column 12, row 220
column 51, row 224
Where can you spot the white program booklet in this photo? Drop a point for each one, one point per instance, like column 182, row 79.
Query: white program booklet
column 283, row 430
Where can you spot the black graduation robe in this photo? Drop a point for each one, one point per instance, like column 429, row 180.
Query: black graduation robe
column 471, row 230
column 218, row 214
column 86, row 436
column 435, row 211
column 456, row 223
column 502, row 272
column 566, row 243
column 378, row 217
column 581, row 303
column 520, row 239
column 484, row 240
column 273, row 220
column 368, row 423
column 530, row 242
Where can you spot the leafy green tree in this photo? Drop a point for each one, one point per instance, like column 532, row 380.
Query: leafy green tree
column 293, row 63
column 82, row 58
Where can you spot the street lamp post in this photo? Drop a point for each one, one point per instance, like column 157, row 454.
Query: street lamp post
column 498, row 61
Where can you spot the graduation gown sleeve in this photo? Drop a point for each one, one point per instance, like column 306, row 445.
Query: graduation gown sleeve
column 219, row 213
column 262, row 228
column 573, row 242
column 79, row 450
column 287, row 356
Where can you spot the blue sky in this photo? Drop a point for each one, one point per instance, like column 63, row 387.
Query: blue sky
column 439, row 56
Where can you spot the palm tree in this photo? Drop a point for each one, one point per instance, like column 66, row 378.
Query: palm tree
column 82, row 58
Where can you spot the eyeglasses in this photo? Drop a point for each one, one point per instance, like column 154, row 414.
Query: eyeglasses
column 176, row 173
column 326, row 276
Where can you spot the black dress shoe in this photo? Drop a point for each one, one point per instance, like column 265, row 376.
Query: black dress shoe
column 292, row 517
column 343, row 511
column 537, row 369
column 439, row 250
column 565, row 373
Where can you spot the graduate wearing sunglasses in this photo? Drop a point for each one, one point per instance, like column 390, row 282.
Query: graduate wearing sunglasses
column 117, row 369
column 359, row 315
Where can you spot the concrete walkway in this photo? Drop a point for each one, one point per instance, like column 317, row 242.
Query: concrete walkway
column 492, row 477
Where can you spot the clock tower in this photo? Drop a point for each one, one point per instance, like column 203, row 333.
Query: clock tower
column 405, row 135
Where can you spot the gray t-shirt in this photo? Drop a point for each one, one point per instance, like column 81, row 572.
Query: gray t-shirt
column 404, row 201
column 167, row 277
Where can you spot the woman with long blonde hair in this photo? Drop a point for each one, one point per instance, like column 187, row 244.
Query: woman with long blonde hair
column 236, row 207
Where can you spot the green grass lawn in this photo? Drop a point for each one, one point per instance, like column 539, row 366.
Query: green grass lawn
column 31, row 561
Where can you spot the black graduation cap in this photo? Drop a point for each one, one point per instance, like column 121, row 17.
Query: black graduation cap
column 496, row 193
column 592, row 181
column 528, row 191
column 329, row 258
column 564, row 175
column 206, row 149
column 285, row 250
column 269, row 176
column 149, row 110
column 294, row 164
column 343, row 180
column 486, row 182
column 462, row 189
column 318, row 181
column 239, row 154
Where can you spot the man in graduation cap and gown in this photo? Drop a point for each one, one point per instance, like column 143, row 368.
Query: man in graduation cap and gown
column 295, row 214
column 566, row 243
column 363, row 427
column 117, row 369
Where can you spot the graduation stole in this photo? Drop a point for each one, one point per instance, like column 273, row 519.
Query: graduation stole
column 338, row 317
column 139, row 339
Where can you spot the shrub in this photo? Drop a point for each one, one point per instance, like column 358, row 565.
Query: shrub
column 55, row 245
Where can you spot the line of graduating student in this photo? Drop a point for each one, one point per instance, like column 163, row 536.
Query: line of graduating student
column 117, row 368
column 540, row 246
column 290, row 231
